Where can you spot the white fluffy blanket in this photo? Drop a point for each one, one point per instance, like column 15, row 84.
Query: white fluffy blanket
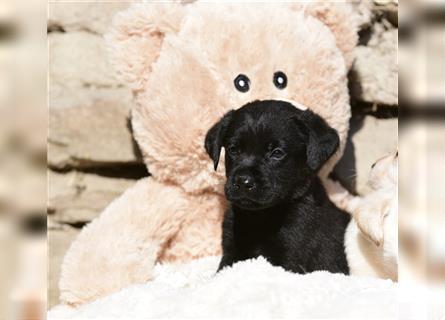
column 250, row 289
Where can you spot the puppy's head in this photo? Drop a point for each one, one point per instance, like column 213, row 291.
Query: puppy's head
column 272, row 151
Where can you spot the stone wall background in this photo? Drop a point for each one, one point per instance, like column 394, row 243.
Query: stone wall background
column 92, row 157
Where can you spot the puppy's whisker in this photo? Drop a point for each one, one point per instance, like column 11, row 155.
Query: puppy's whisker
column 302, row 268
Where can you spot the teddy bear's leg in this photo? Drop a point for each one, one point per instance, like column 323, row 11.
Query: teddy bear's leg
column 121, row 246
column 201, row 231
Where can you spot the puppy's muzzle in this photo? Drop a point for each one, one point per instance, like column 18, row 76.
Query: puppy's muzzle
column 244, row 183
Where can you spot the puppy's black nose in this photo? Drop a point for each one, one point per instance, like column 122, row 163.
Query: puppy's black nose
column 244, row 182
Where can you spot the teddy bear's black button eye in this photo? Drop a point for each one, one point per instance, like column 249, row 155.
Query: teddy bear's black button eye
column 280, row 80
column 242, row 83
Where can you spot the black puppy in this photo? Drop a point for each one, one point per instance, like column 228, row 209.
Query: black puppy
column 279, row 208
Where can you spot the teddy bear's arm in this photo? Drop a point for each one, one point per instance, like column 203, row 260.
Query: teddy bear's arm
column 340, row 196
column 121, row 246
column 368, row 211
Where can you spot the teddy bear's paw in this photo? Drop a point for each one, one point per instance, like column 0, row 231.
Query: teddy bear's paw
column 370, row 223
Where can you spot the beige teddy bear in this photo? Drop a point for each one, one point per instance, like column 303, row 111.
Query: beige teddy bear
column 187, row 65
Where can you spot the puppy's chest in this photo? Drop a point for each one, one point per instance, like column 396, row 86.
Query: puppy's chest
column 269, row 239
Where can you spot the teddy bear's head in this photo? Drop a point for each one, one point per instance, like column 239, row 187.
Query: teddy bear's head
column 189, row 64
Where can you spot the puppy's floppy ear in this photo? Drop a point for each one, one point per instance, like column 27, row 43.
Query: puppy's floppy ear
column 215, row 136
column 323, row 140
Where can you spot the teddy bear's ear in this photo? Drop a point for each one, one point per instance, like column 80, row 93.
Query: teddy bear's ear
column 136, row 38
column 343, row 18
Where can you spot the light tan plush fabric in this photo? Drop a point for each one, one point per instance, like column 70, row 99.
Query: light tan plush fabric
column 181, row 61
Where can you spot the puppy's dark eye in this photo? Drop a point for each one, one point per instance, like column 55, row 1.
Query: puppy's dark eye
column 277, row 154
column 233, row 150
column 280, row 80
column 242, row 83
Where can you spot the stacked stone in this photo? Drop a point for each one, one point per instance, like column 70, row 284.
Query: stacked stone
column 92, row 157
column 374, row 97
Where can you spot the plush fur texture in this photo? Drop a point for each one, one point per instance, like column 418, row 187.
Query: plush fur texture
column 371, row 238
column 181, row 62
column 251, row 289
column 278, row 207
